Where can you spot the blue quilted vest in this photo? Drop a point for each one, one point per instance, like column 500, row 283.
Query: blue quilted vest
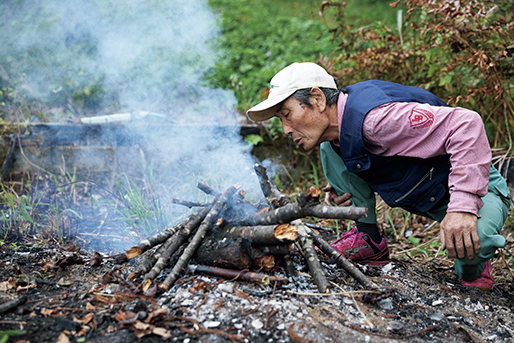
column 415, row 184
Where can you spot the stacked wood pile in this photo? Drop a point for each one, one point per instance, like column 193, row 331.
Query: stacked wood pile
column 229, row 243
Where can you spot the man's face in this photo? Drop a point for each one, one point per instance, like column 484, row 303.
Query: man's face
column 305, row 125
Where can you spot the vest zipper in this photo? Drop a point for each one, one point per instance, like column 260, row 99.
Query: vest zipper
column 427, row 175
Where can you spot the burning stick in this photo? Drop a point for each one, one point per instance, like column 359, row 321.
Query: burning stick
column 209, row 220
column 241, row 275
column 341, row 261
column 193, row 219
column 305, row 206
column 311, row 257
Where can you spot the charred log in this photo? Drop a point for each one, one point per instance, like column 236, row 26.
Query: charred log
column 224, row 253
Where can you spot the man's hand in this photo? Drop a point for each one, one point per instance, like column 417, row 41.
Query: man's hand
column 331, row 197
column 459, row 230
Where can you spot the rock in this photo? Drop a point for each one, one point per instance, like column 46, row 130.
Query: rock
column 437, row 302
column 395, row 326
column 386, row 304
column 211, row 324
column 257, row 324
column 438, row 316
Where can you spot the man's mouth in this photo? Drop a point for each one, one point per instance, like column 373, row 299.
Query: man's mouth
column 298, row 140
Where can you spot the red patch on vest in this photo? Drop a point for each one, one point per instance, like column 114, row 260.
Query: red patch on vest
column 420, row 118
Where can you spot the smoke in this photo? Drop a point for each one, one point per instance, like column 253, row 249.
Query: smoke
column 134, row 55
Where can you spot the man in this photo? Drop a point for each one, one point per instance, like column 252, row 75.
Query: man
column 408, row 146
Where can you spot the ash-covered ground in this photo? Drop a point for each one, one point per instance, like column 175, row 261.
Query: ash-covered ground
column 67, row 299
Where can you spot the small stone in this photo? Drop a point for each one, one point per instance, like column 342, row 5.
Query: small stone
column 257, row 324
column 386, row 304
column 281, row 326
column 395, row 326
column 348, row 301
column 226, row 287
column 211, row 324
column 387, row 268
column 438, row 316
column 437, row 302
column 238, row 326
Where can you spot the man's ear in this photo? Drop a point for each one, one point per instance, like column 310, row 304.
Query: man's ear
column 318, row 99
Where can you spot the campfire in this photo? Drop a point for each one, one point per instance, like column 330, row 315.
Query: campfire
column 228, row 243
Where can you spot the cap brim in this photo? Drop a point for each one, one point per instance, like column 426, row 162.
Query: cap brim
column 265, row 110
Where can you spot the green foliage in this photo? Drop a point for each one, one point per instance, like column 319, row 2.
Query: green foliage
column 254, row 139
column 4, row 335
column 460, row 51
column 260, row 38
column 139, row 212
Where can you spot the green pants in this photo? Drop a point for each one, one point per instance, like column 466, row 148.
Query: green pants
column 493, row 213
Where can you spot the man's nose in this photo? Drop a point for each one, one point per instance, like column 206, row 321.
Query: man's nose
column 287, row 129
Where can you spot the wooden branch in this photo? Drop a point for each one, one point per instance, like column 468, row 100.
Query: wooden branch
column 288, row 265
column 190, row 204
column 163, row 260
column 341, row 261
column 262, row 235
column 209, row 220
column 193, row 219
column 274, row 197
column 239, row 275
column 296, row 210
column 147, row 262
column 311, row 257
column 207, row 190
column 5, row 307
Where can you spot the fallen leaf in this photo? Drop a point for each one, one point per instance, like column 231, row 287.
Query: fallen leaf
column 70, row 247
column 24, row 288
column 86, row 319
column 96, row 259
column 63, row 282
column 162, row 332
column 66, row 261
column 50, row 313
column 90, row 307
column 63, row 339
column 9, row 284
column 156, row 314
column 141, row 329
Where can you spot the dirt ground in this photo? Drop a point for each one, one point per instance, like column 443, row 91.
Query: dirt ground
column 69, row 300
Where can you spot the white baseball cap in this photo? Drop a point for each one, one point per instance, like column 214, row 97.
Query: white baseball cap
column 287, row 81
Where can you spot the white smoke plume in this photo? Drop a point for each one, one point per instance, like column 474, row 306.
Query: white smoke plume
column 134, row 55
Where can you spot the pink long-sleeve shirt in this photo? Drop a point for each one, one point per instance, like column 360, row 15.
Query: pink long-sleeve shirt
column 421, row 130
